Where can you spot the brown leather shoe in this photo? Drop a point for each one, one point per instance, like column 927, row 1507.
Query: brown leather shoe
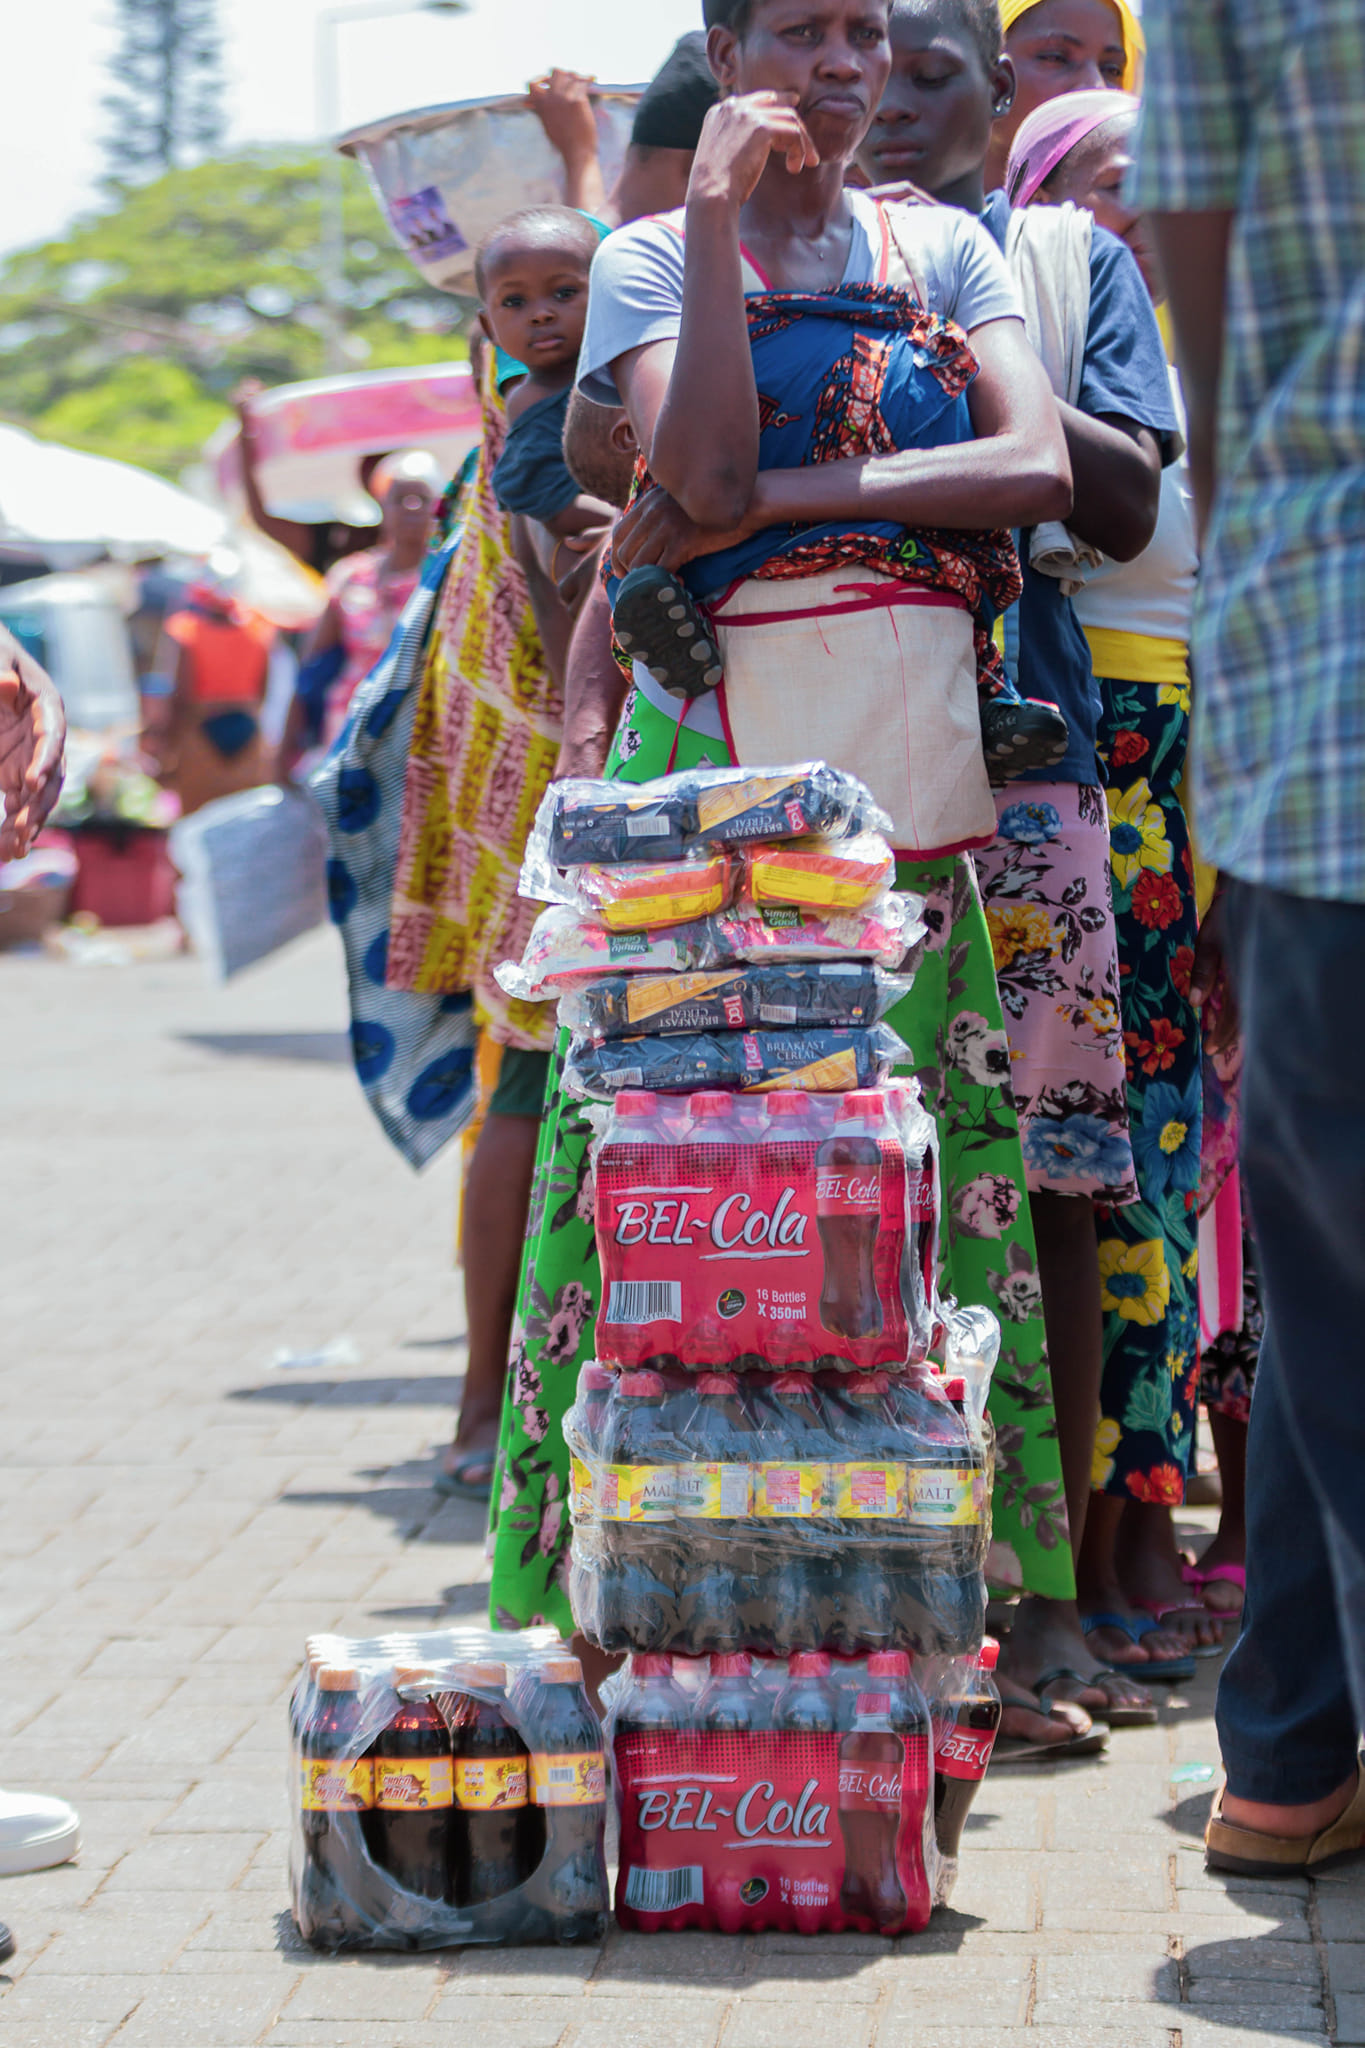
column 1246, row 1852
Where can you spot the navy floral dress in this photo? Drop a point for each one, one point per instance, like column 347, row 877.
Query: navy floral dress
column 1149, row 1259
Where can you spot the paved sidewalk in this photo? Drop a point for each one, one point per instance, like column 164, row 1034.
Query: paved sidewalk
column 192, row 1181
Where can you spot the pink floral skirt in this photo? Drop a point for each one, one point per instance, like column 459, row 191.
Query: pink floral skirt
column 1045, row 885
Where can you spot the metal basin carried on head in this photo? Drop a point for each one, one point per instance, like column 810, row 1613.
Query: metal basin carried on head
column 446, row 175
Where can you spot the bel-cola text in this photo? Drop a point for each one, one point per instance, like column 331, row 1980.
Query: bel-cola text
column 668, row 1219
column 758, row 1813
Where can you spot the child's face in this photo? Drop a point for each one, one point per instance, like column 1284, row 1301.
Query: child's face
column 536, row 303
column 934, row 122
column 833, row 54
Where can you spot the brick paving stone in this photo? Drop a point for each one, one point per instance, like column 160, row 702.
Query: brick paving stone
column 1350, row 2009
column 652, row 2023
column 764, row 2026
column 1346, row 1966
column 1341, row 1917
column 169, row 1537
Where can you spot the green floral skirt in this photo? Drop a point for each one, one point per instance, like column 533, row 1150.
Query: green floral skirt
column 952, row 1019
column 1149, row 1256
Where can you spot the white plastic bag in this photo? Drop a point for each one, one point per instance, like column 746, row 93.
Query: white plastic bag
column 253, row 876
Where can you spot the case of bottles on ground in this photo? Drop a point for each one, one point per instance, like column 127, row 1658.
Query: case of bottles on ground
column 773, row 1512
column 810, row 1795
column 785, row 1230
column 447, row 1789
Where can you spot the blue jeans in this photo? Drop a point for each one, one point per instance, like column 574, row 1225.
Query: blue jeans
column 1292, row 1696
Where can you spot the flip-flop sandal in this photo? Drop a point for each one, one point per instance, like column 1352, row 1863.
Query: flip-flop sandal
column 1160, row 1609
column 1011, row 1749
column 656, row 621
column 1115, row 1714
column 456, row 1485
column 1159, row 1670
column 1022, row 736
column 1219, row 1574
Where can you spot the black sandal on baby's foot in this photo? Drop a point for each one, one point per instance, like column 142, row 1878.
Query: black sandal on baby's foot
column 1022, row 736
column 657, row 623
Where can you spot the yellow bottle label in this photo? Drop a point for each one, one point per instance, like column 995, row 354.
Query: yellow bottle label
column 947, row 1496
column 413, row 1784
column 486, row 1783
column 638, row 1493
column 866, row 1492
column 713, row 1493
column 580, row 1490
column 789, row 1492
column 336, row 1785
column 576, row 1780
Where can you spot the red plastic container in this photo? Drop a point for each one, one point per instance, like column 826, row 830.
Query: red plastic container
column 124, row 874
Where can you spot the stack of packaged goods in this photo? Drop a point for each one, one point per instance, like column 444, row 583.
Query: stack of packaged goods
column 781, row 1510
column 449, row 1790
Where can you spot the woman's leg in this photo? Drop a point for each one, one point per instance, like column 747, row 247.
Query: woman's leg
column 497, row 1197
column 1047, row 1634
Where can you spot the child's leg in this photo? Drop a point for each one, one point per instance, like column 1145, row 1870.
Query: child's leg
column 657, row 622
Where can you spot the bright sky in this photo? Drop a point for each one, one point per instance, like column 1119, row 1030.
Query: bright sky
column 56, row 50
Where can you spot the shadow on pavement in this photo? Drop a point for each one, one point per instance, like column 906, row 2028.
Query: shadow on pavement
column 434, row 1390
column 332, row 1048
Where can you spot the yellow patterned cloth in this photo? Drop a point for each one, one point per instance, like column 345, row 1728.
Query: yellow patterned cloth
column 484, row 742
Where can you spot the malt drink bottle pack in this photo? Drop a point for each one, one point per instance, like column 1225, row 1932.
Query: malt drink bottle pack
column 772, row 1512
column 450, row 1790
column 749, row 1802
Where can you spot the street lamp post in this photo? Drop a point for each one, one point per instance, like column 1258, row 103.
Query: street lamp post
column 333, row 189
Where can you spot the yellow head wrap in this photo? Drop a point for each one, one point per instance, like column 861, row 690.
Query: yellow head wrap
column 1134, row 42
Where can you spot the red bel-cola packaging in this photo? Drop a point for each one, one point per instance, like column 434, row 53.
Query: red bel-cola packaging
column 761, row 1794
column 785, row 1230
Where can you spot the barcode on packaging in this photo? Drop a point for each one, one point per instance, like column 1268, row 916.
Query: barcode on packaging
column 644, row 824
column 633, row 1303
column 664, row 1891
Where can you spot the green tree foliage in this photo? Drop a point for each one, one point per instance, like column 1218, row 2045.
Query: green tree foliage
column 127, row 336
column 167, row 108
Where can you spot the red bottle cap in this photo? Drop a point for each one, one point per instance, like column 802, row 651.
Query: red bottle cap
column 732, row 1664
column 652, row 1665
column 865, row 1102
column 788, row 1102
column 809, row 1664
column 711, row 1103
column 596, row 1379
column 636, row 1102
column 793, row 1383
column 640, row 1386
column 990, row 1653
column 718, row 1384
column 889, row 1664
column 955, row 1390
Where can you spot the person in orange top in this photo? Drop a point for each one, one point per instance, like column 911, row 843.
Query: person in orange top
column 211, row 744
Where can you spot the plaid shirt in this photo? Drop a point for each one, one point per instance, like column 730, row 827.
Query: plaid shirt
column 1256, row 105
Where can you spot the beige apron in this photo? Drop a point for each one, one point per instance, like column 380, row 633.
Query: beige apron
column 865, row 671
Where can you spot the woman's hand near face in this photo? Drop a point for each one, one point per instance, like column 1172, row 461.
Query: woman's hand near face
column 737, row 139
